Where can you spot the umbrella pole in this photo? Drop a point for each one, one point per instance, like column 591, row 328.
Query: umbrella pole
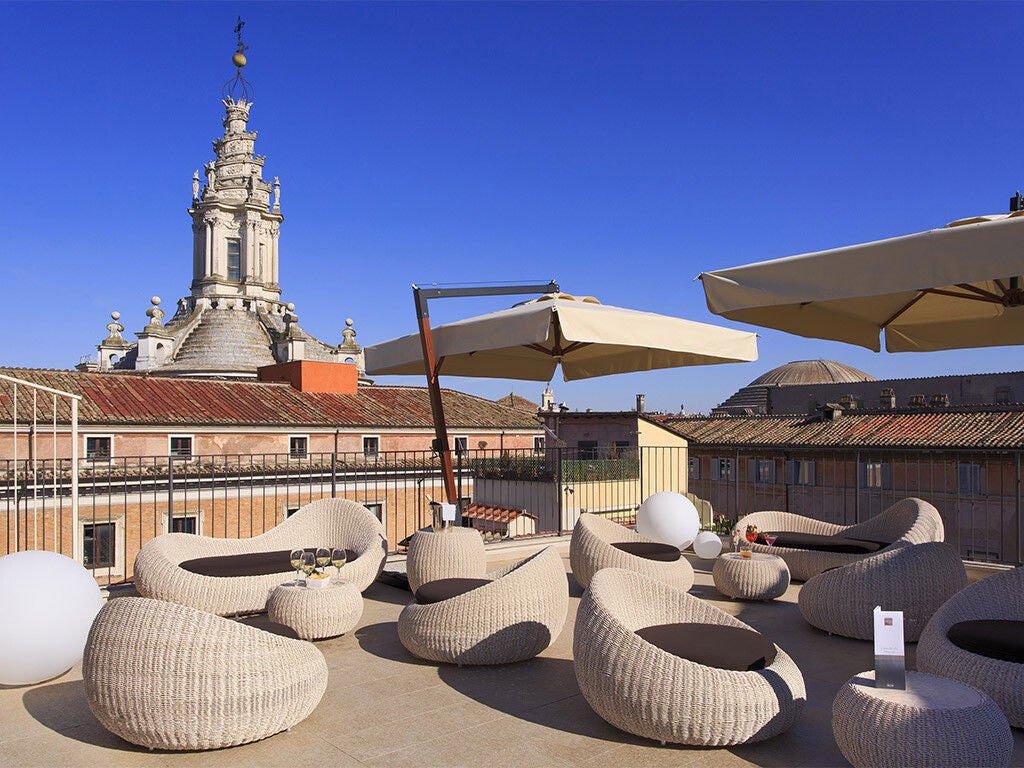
column 437, row 406
column 421, row 296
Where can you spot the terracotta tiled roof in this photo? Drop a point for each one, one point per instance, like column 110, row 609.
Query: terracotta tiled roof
column 111, row 398
column 520, row 403
column 982, row 429
column 495, row 513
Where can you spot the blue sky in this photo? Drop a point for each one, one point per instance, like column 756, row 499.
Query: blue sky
column 617, row 148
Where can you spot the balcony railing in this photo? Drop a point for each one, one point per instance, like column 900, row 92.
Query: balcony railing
column 124, row 502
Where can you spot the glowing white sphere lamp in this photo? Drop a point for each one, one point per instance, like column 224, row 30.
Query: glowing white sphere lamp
column 707, row 545
column 668, row 517
column 48, row 603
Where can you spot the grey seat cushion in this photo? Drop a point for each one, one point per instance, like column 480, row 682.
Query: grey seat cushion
column 249, row 564
column 820, row 543
column 650, row 550
column 995, row 638
column 445, row 589
column 713, row 645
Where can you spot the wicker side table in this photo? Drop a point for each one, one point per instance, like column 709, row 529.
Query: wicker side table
column 446, row 554
column 934, row 722
column 316, row 612
column 758, row 577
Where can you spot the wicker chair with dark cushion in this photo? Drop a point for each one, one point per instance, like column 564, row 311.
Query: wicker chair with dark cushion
column 698, row 688
column 324, row 523
column 909, row 520
column 913, row 578
column 512, row 615
column 601, row 543
column 999, row 597
column 167, row 676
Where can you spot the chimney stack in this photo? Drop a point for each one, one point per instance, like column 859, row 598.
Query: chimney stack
column 639, row 403
column 887, row 399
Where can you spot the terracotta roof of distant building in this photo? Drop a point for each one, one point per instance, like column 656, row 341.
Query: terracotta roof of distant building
column 495, row 513
column 518, row 402
column 132, row 398
column 937, row 429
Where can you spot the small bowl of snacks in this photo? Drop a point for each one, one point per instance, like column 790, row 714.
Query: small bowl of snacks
column 318, row 580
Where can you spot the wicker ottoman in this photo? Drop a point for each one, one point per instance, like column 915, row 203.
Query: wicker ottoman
column 316, row 612
column 934, row 722
column 758, row 577
column 446, row 554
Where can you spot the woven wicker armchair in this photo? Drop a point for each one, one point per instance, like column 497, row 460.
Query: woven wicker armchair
column 514, row 617
column 590, row 550
column 167, row 676
column 1000, row 596
column 327, row 522
column 908, row 520
column 913, row 578
column 449, row 553
column 644, row 690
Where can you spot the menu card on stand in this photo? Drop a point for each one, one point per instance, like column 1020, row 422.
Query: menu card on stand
column 890, row 661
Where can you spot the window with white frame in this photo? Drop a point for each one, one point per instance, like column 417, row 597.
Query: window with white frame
column 586, row 449
column 185, row 522
column 969, row 479
column 103, row 544
column 722, row 469
column 461, row 445
column 98, row 447
column 693, row 467
column 371, row 445
column 761, row 471
column 799, row 472
column 298, row 446
column 180, row 445
column 377, row 507
column 538, row 444
column 876, row 474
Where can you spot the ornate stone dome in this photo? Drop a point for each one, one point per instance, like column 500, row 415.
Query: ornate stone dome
column 811, row 372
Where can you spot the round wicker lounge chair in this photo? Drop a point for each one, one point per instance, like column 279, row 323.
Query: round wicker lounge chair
column 647, row 691
column 998, row 597
column 514, row 616
column 591, row 549
column 449, row 553
column 327, row 522
column 913, row 578
column 167, row 676
column 908, row 520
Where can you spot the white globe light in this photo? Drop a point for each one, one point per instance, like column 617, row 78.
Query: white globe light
column 48, row 603
column 707, row 545
column 668, row 517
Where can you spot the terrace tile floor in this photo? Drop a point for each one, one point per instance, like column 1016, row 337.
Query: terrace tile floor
column 385, row 708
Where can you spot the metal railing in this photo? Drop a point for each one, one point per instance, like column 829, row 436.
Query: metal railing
column 124, row 502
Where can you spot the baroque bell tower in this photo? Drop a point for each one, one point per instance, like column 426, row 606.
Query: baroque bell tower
column 235, row 224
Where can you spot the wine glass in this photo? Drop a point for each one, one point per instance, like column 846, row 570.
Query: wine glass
column 338, row 558
column 308, row 565
column 770, row 538
column 323, row 557
column 296, row 561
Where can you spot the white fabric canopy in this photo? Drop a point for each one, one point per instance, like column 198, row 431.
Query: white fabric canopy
column 530, row 340
column 947, row 288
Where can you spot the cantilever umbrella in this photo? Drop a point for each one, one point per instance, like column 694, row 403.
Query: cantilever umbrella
column 587, row 338
column 530, row 340
column 949, row 288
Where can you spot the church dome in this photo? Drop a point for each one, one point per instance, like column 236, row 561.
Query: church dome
column 811, row 372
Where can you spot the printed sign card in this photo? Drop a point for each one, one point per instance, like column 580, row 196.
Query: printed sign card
column 890, row 661
column 448, row 514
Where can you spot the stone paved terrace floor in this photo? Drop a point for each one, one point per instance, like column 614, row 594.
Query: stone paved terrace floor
column 385, row 708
